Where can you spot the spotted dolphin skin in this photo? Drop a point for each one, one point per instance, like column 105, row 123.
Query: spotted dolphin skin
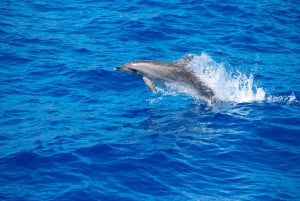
column 178, row 71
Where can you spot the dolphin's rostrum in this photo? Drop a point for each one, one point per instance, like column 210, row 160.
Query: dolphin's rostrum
column 178, row 71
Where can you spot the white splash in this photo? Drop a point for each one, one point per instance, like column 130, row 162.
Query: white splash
column 228, row 86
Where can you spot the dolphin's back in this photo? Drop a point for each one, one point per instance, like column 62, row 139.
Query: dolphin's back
column 156, row 69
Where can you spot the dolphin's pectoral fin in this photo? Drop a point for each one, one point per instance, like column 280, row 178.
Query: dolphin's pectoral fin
column 149, row 83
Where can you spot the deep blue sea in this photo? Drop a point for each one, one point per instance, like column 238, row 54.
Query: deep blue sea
column 72, row 128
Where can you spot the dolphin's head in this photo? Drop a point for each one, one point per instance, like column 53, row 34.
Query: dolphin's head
column 128, row 67
column 147, row 68
column 137, row 67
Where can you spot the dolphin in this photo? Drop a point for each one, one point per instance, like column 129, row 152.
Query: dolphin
column 178, row 71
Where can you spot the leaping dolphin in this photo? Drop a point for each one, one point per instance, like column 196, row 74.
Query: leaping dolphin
column 178, row 71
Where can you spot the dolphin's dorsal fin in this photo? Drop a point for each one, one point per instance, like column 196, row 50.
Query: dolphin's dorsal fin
column 183, row 62
column 149, row 83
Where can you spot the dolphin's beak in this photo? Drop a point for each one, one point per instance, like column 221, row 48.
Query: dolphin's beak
column 119, row 68
column 122, row 68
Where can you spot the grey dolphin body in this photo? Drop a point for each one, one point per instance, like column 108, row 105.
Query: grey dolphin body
column 177, row 71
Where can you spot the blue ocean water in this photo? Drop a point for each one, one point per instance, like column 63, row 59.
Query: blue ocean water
column 72, row 128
